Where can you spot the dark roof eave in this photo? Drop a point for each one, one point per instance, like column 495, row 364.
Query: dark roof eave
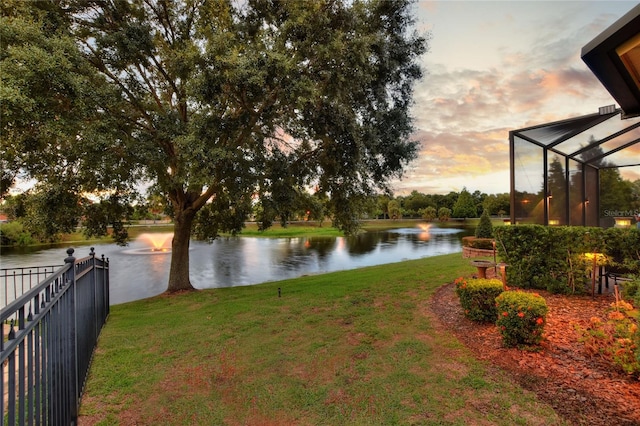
column 601, row 58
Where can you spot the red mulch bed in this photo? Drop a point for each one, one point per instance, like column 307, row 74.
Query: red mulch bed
column 584, row 390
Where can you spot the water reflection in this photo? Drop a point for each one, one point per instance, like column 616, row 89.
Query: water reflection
column 243, row 261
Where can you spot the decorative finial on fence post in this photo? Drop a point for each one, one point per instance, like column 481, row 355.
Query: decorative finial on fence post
column 93, row 253
column 70, row 258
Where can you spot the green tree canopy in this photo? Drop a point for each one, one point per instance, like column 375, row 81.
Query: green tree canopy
column 216, row 102
column 444, row 214
column 394, row 209
column 465, row 206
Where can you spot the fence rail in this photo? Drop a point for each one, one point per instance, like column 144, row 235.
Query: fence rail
column 14, row 282
column 49, row 334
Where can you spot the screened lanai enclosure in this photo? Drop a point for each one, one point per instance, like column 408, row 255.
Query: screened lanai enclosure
column 576, row 171
column 580, row 171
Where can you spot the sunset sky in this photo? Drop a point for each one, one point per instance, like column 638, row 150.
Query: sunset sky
column 493, row 67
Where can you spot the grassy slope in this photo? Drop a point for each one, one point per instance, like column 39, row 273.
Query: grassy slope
column 346, row 348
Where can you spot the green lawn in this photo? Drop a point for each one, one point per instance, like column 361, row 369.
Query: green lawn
column 346, row 348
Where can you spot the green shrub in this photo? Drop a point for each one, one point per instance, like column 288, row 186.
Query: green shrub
column 13, row 234
column 477, row 298
column 631, row 289
column 553, row 258
column 478, row 243
column 521, row 317
column 485, row 227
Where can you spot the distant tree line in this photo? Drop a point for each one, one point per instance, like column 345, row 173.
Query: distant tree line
column 43, row 216
column 463, row 204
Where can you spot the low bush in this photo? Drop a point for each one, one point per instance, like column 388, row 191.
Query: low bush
column 477, row 298
column 521, row 317
column 478, row 243
column 631, row 289
column 615, row 338
column 14, row 234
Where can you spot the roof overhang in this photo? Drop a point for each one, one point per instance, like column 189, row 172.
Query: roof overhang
column 614, row 58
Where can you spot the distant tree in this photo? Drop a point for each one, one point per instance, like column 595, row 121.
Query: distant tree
column 414, row 202
column 394, row 209
column 497, row 204
column 557, row 187
column 616, row 193
column 14, row 206
column 465, row 206
column 447, row 201
column 157, row 206
column 383, row 205
column 141, row 211
column 635, row 195
column 109, row 212
column 478, row 200
column 444, row 214
column 429, row 213
column 312, row 207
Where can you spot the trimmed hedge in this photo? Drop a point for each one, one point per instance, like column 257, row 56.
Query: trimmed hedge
column 553, row 258
column 478, row 298
column 478, row 243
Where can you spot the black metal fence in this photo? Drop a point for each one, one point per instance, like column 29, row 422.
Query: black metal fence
column 14, row 282
column 49, row 334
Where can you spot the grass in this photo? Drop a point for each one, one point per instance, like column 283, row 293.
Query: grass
column 346, row 348
column 295, row 229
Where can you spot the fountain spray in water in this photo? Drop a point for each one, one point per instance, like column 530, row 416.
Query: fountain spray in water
column 159, row 243
column 424, row 235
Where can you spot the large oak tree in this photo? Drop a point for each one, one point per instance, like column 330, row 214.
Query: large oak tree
column 222, row 104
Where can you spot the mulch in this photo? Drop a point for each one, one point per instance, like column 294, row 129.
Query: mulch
column 583, row 389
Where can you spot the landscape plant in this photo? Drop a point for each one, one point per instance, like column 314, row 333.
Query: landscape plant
column 559, row 259
column 478, row 297
column 615, row 338
column 485, row 227
column 631, row 289
column 521, row 318
column 478, row 243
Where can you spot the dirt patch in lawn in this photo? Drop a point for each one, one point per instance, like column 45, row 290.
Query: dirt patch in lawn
column 584, row 390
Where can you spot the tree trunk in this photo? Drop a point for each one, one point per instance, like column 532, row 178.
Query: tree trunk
column 179, row 271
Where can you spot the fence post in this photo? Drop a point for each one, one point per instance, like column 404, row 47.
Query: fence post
column 105, row 282
column 72, row 363
column 94, row 293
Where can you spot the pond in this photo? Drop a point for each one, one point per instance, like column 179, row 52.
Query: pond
column 138, row 271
